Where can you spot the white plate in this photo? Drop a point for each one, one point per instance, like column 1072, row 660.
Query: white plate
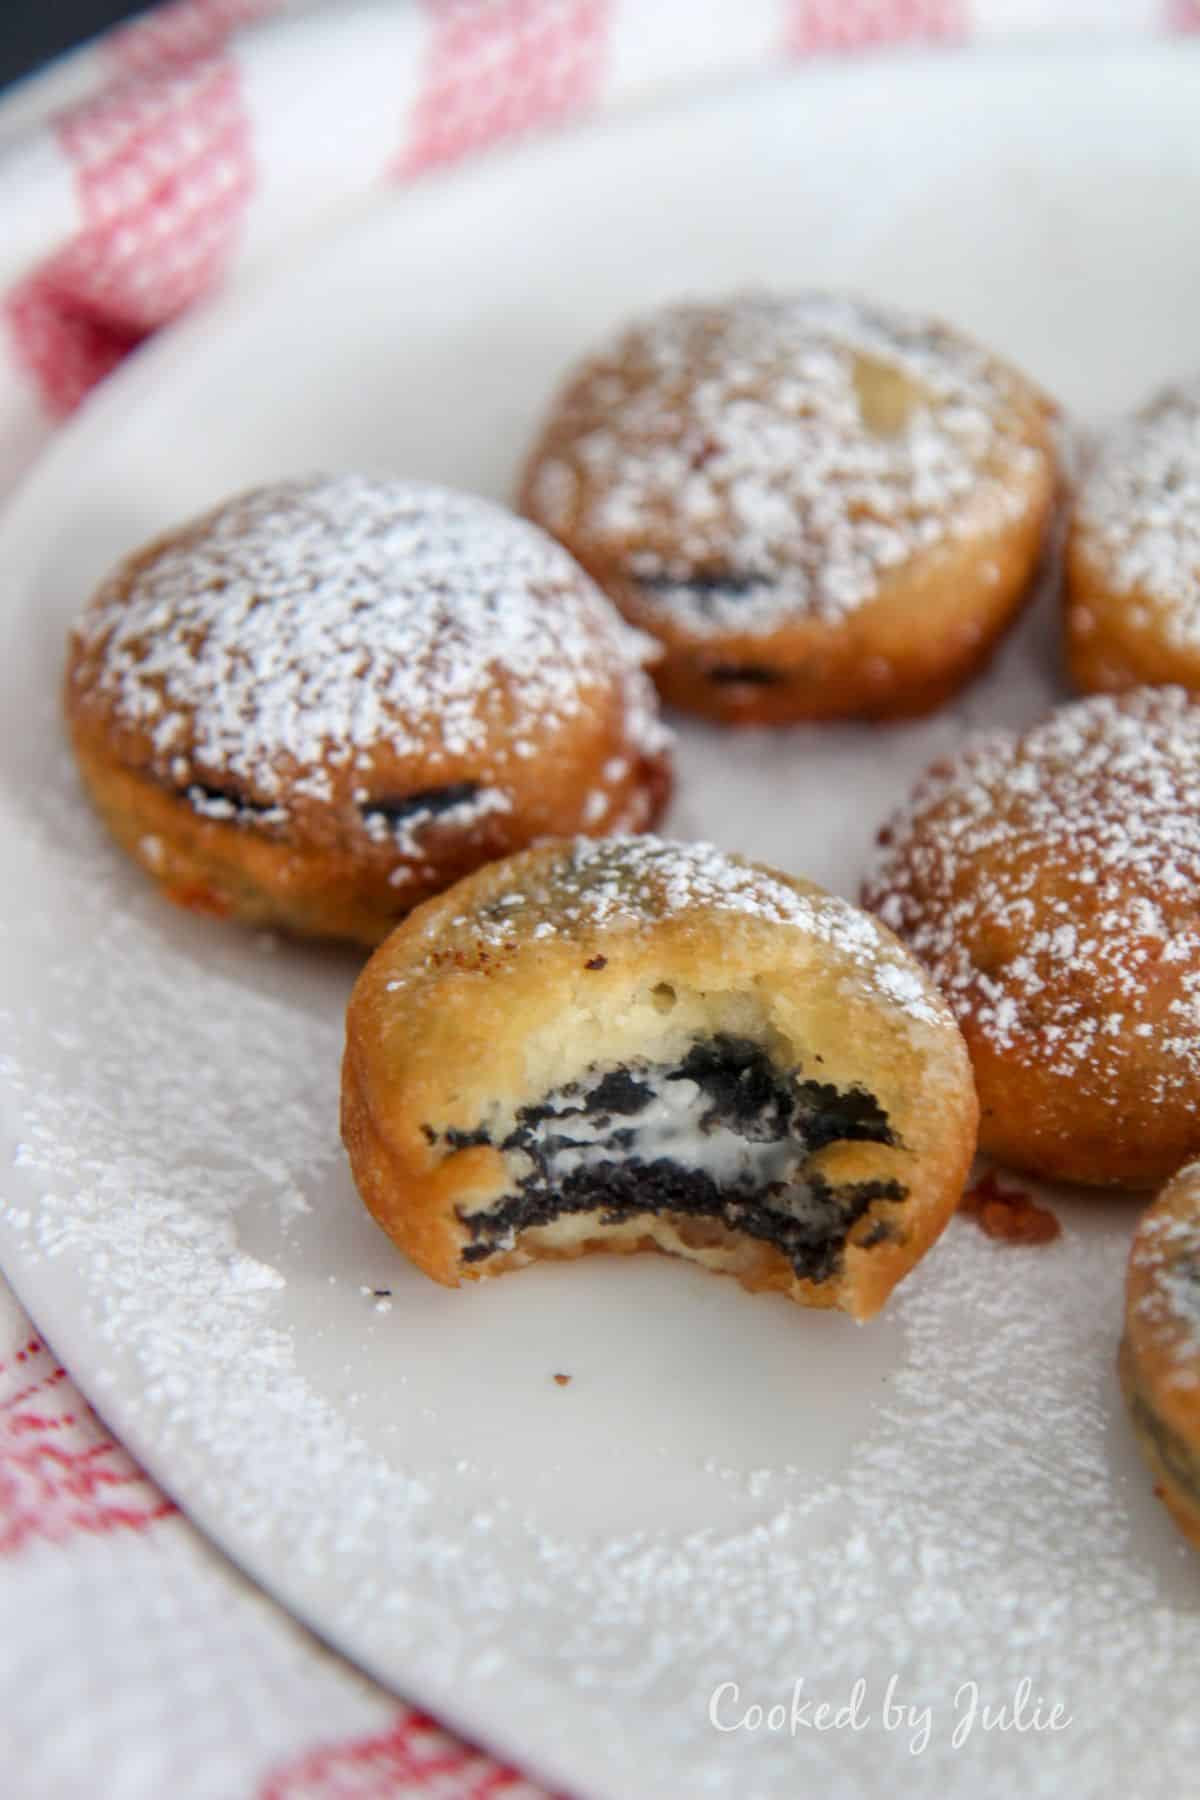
column 729, row 1490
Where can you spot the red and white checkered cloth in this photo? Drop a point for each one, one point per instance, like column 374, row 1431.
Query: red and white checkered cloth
column 135, row 176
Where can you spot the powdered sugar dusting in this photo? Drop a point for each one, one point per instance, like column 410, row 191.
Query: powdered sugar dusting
column 1049, row 882
column 863, row 1565
column 301, row 629
column 627, row 883
column 778, row 456
column 908, row 1509
column 1138, row 511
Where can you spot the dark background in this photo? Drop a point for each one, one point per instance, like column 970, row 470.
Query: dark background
column 32, row 31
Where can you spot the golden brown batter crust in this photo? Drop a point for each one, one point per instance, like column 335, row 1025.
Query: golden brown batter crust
column 328, row 699
column 1050, row 884
column 1133, row 553
column 1160, row 1354
column 822, row 509
column 670, row 1015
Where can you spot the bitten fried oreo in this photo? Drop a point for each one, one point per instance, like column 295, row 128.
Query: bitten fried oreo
column 822, row 508
column 1160, row 1353
column 635, row 1044
column 330, row 698
column 1133, row 552
column 1050, row 883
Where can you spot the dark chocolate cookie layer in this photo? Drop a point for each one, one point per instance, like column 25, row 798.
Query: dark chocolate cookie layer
column 743, row 1093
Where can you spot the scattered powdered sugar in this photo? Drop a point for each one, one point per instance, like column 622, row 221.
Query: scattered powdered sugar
column 1049, row 883
column 777, row 456
column 301, row 628
column 622, row 883
column 950, row 1494
column 1138, row 510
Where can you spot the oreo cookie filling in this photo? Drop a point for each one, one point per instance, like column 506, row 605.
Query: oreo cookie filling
column 399, row 809
column 400, row 819
column 228, row 804
column 725, row 1134
column 746, row 675
column 702, row 595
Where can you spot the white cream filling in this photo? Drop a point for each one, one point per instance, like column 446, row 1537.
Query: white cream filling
column 670, row 1126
